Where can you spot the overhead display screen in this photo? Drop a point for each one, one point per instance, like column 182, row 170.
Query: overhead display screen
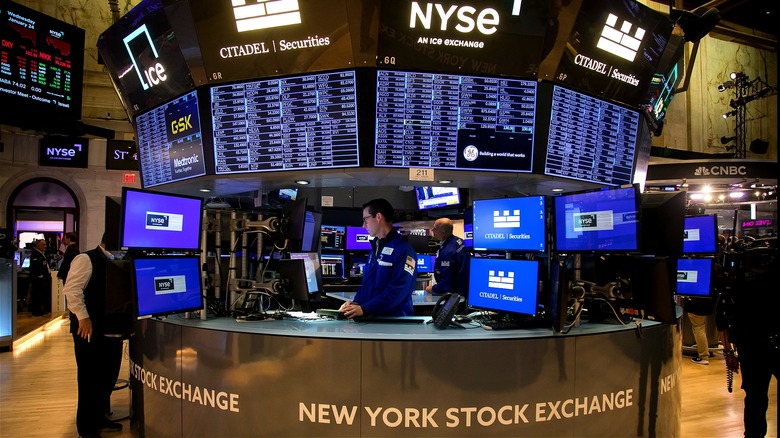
column 300, row 122
column 456, row 122
column 614, row 49
column 590, row 139
column 459, row 37
column 241, row 40
column 170, row 145
column 41, row 67
column 142, row 55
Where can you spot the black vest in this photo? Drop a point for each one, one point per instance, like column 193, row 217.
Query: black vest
column 94, row 294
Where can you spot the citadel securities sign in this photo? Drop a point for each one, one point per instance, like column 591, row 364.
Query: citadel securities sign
column 614, row 49
column 244, row 39
column 463, row 36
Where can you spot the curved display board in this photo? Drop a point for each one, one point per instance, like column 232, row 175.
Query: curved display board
column 293, row 123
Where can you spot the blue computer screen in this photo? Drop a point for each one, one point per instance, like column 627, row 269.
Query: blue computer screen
column 600, row 220
column 358, row 239
column 425, row 263
column 700, row 234
column 509, row 224
column 166, row 285
column 694, row 277
column 503, row 285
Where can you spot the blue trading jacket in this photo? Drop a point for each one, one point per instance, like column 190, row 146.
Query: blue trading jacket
column 389, row 277
column 451, row 268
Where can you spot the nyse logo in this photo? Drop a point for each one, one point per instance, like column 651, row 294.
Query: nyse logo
column 148, row 75
column 264, row 14
column 501, row 279
column 687, row 276
column 619, row 41
column 361, row 237
column 506, row 218
column 586, row 220
column 170, row 284
column 486, row 21
column 164, row 221
column 63, row 152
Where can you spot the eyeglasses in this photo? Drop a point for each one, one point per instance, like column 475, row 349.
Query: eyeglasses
column 365, row 218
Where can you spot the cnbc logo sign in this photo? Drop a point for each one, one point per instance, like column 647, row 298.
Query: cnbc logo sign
column 164, row 221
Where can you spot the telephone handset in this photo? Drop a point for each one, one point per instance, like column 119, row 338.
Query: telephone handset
column 444, row 310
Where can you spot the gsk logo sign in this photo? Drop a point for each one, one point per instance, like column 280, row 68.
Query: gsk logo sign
column 618, row 40
column 264, row 14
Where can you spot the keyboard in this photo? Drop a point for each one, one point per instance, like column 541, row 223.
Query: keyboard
column 513, row 324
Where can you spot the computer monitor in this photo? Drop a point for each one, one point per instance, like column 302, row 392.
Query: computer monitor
column 312, row 269
column 602, row 220
column 694, row 277
column 167, row 285
column 332, row 267
column 510, row 224
column 332, row 237
column 430, row 197
column 154, row 220
column 311, row 232
column 662, row 223
column 502, row 285
column 468, row 227
column 358, row 239
column 700, row 234
column 560, row 294
column 425, row 263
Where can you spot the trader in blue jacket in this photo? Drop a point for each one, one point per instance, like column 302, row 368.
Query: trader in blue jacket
column 451, row 269
column 391, row 272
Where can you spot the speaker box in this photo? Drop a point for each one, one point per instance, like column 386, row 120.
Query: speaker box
column 758, row 146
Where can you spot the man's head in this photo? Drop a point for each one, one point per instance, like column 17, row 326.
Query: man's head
column 69, row 238
column 378, row 217
column 40, row 245
column 442, row 228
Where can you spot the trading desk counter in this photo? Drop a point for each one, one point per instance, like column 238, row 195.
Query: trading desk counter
column 277, row 378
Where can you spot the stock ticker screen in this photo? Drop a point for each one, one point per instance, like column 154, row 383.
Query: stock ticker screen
column 300, row 122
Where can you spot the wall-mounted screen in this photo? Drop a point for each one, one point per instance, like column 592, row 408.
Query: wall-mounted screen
column 293, row 123
column 614, row 49
column 510, row 224
column 143, row 58
column 241, row 40
column 332, row 237
column 466, row 37
column 694, row 277
column 425, row 263
column 436, row 197
column 121, row 155
column 332, row 266
column 170, row 144
column 42, row 66
column 58, row 151
column 700, row 234
column 587, row 138
column 502, row 285
column 153, row 220
column 358, row 239
column 454, row 122
column 604, row 220
column 167, row 285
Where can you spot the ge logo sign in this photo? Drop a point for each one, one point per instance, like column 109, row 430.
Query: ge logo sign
column 470, row 153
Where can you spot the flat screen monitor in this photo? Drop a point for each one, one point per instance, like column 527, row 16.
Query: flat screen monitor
column 700, row 235
column 429, row 197
column 294, row 223
column 332, row 237
column 310, row 242
column 357, row 263
column 454, row 122
column 468, row 227
column 302, row 276
column 662, row 223
column 43, row 70
column 358, row 239
column 59, row 151
column 560, row 294
column 694, row 276
column 332, row 266
column 502, row 285
column 170, row 144
column 587, row 139
column 510, row 224
column 425, row 263
column 604, row 220
column 419, row 242
column 160, row 221
column 167, row 285
column 294, row 123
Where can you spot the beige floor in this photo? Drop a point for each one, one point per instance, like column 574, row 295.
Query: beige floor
column 38, row 394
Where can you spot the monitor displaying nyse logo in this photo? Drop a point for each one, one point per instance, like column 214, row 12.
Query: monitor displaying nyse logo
column 464, row 36
column 687, row 276
column 63, row 152
column 614, row 49
column 247, row 39
column 362, row 238
column 143, row 57
column 593, row 221
column 173, row 284
column 164, row 221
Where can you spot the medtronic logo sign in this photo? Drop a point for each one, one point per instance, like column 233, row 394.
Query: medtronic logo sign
column 164, row 221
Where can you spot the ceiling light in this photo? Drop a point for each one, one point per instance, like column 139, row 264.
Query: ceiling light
column 302, row 182
column 557, row 190
column 205, row 190
column 735, row 195
column 445, row 181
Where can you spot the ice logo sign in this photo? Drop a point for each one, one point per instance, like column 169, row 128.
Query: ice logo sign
column 148, row 75
column 618, row 41
column 169, row 285
column 264, row 14
column 501, row 279
column 506, row 218
column 164, row 221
